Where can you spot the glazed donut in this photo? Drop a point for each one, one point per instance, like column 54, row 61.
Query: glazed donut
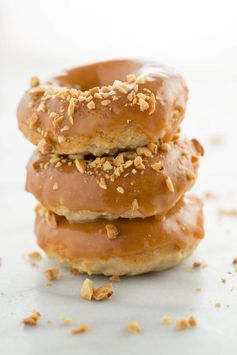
column 138, row 246
column 103, row 108
column 129, row 185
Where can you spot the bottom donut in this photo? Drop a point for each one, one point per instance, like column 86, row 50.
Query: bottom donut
column 138, row 246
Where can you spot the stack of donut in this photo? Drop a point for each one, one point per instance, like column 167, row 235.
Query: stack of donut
column 112, row 169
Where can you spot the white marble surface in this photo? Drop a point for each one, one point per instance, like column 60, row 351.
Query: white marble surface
column 145, row 299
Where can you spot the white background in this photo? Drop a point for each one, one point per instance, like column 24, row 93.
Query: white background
column 199, row 38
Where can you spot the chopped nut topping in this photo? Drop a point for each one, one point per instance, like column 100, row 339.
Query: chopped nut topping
column 121, row 86
column 157, row 166
column 55, row 186
column 105, row 102
column 135, row 206
column 87, row 290
column 115, row 278
column 166, row 320
column 82, row 329
column 41, row 107
column 138, row 162
column 107, row 166
column 33, row 120
column 169, row 184
column 61, row 139
column 50, row 219
column 80, row 165
column 119, row 160
column 103, row 292
column 32, row 320
column 144, row 151
column 102, row 183
column 120, row 189
column 34, row 81
column 91, row 105
column 52, row 274
column 143, row 104
column 131, row 78
column 112, row 231
column 166, row 147
column 190, row 175
column 133, row 327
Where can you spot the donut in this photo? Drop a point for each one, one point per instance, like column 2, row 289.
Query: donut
column 103, row 108
column 132, row 184
column 125, row 247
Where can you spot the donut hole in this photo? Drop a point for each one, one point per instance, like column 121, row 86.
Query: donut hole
column 99, row 74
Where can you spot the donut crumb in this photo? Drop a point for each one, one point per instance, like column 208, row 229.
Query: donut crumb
column 182, row 324
column 115, row 278
column 34, row 255
column 199, row 264
column 103, row 292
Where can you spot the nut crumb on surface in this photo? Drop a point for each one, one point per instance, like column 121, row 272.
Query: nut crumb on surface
column 182, row 324
column 112, row 231
column 55, row 186
column 34, row 255
column 115, row 278
column 103, row 292
column 87, row 289
column 32, row 320
column 198, row 289
column 66, row 320
column 234, row 262
column 218, row 305
column 88, row 292
column 75, row 271
column 34, row 81
column 166, row 320
column 83, row 328
column 120, row 189
column 133, row 327
column 199, row 264
column 52, row 274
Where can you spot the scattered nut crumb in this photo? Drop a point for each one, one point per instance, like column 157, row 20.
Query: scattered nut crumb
column 169, row 184
column 166, row 320
column 83, row 328
column 218, row 305
column 87, row 290
column 234, row 262
column 182, row 324
column 34, row 255
column 65, row 320
column 199, row 264
column 120, row 189
column 133, row 327
column 103, row 292
column 32, row 320
column 192, row 321
column 115, row 278
column 34, row 81
column 55, row 186
column 52, row 274
column 198, row 289
column 112, row 231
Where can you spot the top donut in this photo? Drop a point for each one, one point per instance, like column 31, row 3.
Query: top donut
column 103, row 107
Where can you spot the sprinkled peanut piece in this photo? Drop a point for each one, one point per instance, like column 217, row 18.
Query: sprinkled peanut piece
column 157, row 166
column 169, row 184
column 181, row 324
column 103, row 292
column 199, row 264
column 66, row 321
column 166, row 320
column 33, row 120
column 133, row 327
column 87, row 290
column 112, row 231
column 52, row 274
column 120, row 189
column 32, row 320
column 91, row 105
column 115, row 278
column 102, row 183
column 131, row 78
column 83, row 328
column 80, row 165
column 55, row 186
column 34, row 255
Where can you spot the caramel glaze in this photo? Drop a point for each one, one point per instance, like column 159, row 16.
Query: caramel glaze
column 167, row 85
column 81, row 192
column 136, row 236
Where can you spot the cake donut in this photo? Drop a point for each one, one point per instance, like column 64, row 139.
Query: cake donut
column 103, row 108
column 125, row 247
column 141, row 183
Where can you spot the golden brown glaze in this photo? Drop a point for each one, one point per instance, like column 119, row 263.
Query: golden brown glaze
column 67, row 191
column 103, row 129
column 90, row 240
